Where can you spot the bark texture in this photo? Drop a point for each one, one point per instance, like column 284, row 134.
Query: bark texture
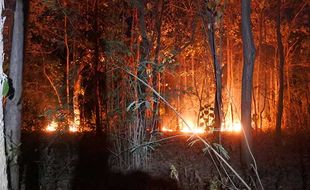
column 247, row 80
column 13, row 105
column 218, row 79
column 281, row 74
column 143, row 63
column 3, row 166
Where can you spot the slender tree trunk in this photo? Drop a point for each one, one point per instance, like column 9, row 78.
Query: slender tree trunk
column 51, row 82
column 260, row 64
column 67, row 63
column 13, row 105
column 217, row 76
column 67, row 72
column 247, row 79
column 156, row 72
column 281, row 74
column 142, row 68
column 76, row 89
column 97, row 77
column 257, row 86
column 3, row 166
column 230, row 77
column 75, row 100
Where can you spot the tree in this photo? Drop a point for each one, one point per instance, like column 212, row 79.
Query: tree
column 155, row 66
column 143, row 63
column 281, row 73
column 14, row 105
column 247, row 79
column 213, row 15
column 3, row 167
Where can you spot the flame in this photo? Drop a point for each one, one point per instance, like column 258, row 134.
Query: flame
column 231, row 127
column 191, row 128
column 196, row 130
column 52, row 126
column 73, row 127
column 165, row 129
column 227, row 126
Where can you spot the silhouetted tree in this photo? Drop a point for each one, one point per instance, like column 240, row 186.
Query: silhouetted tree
column 281, row 73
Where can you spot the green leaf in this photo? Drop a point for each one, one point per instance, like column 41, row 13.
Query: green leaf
column 6, row 88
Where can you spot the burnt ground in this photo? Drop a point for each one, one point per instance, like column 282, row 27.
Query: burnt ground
column 284, row 167
column 83, row 161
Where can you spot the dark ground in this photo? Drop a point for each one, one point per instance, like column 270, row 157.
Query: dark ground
column 83, row 161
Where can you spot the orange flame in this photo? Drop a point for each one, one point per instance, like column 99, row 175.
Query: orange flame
column 191, row 128
column 51, row 127
column 73, row 127
column 227, row 126
column 231, row 127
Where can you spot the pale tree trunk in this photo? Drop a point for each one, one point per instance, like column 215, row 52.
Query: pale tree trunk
column 281, row 74
column 247, row 79
column 13, row 105
column 3, row 167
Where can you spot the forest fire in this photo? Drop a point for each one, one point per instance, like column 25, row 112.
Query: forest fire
column 191, row 128
column 227, row 126
column 231, row 127
column 53, row 126
column 98, row 79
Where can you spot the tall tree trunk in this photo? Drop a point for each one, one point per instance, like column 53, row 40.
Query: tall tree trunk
column 13, row 105
column 257, row 86
column 247, row 79
column 3, row 166
column 97, row 77
column 230, row 78
column 217, row 75
column 156, row 72
column 144, row 57
column 67, row 73
column 281, row 74
column 67, row 63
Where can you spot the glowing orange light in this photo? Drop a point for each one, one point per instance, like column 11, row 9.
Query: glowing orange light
column 227, row 126
column 231, row 127
column 51, row 126
column 73, row 127
column 165, row 129
column 191, row 128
